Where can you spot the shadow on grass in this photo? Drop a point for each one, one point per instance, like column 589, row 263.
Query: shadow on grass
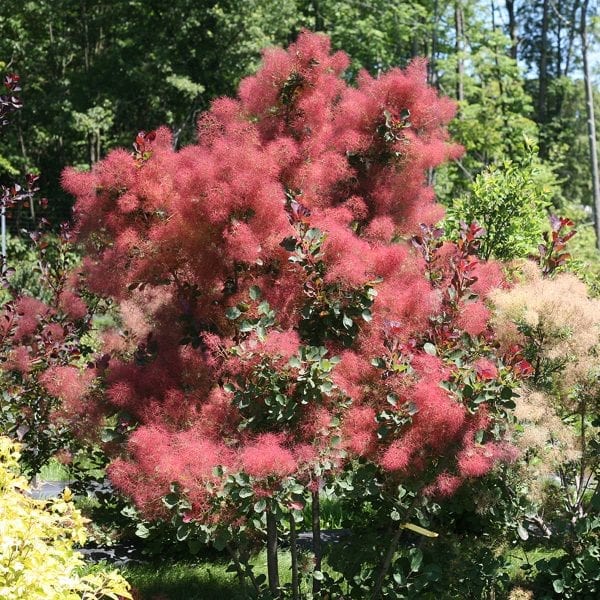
column 183, row 581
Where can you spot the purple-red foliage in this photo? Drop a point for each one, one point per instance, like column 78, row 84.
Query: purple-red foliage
column 178, row 237
column 39, row 345
column 10, row 101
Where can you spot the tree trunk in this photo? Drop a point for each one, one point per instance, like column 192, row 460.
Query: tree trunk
column 272, row 563
column 459, row 26
column 294, row 554
column 571, row 28
column 433, row 77
column 319, row 21
column 238, row 567
column 243, row 570
column 572, row 32
column 387, row 561
column 316, row 538
column 589, row 102
column 543, row 66
column 559, row 46
column 512, row 28
column 86, row 36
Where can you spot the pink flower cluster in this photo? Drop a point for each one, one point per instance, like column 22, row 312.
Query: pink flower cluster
column 178, row 237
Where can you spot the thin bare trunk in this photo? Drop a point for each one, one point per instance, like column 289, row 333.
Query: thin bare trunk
column 86, row 36
column 387, row 562
column 559, row 46
column 319, row 21
column 459, row 25
column 25, row 157
column 414, row 46
column 316, row 537
column 238, row 567
column 294, row 554
column 272, row 562
column 543, row 66
column 243, row 570
column 433, row 78
column 512, row 28
column 498, row 69
column 589, row 101
column 572, row 30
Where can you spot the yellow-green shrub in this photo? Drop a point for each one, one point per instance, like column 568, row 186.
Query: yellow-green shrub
column 37, row 559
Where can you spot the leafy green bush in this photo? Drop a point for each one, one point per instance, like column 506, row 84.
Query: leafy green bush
column 510, row 202
column 29, row 265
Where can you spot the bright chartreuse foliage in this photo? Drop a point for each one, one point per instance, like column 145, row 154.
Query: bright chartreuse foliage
column 510, row 201
column 37, row 558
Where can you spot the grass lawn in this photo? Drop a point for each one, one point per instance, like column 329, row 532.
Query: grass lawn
column 208, row 579
column 201, row 580
column 183, row 581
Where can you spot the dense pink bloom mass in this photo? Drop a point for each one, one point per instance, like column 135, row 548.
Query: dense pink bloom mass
column 266, row 456
column 179, row 237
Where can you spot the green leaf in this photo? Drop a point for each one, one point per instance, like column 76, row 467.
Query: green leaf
column 220, row 541
column 430, row 349
column 506, row 393
column 411, row 408
column 254, row 292
column 416, row 559
column 318, row 575
column 398, row 578
column 559, row 586
column 246, row 326
column 523, row 533
column 232, row 313
column 289, row 243
column 260, row 506
column 183, row 531
column 142, row 531
column 110, row 435
column 246, row 493
column 313, row 233
column 171, row 500
column 366, row 315
column 326, row 386
column 348, row 322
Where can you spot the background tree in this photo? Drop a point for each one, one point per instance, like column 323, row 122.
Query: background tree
column 101, row 63
column 108, row 65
